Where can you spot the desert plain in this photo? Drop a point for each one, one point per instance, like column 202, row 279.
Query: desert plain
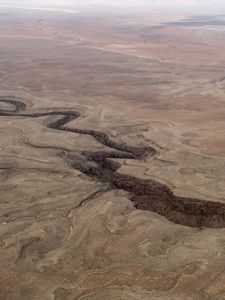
column 112, row 155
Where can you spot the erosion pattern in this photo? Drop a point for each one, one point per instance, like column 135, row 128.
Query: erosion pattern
column 145, row 194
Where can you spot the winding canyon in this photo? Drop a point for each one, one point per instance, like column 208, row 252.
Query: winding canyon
column 146, row 194
column 112, row 154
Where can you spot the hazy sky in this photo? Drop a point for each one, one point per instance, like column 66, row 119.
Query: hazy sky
column 171, row 6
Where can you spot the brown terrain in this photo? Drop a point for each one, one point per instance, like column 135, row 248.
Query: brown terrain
column 112, row 157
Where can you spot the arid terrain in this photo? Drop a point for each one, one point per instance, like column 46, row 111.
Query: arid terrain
column 112, row 156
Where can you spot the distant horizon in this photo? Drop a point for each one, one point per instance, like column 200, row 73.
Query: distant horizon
column 185, row 7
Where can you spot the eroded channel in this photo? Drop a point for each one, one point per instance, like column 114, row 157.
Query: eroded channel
column 145, row 194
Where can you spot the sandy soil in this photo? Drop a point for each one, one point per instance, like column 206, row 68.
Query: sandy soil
column 145, row 81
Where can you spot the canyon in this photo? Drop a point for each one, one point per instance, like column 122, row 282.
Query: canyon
column 112, row 155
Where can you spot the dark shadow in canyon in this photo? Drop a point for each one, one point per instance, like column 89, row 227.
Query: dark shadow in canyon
column 145, row 194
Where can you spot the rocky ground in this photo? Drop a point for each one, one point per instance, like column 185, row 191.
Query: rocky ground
column 112, row 156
